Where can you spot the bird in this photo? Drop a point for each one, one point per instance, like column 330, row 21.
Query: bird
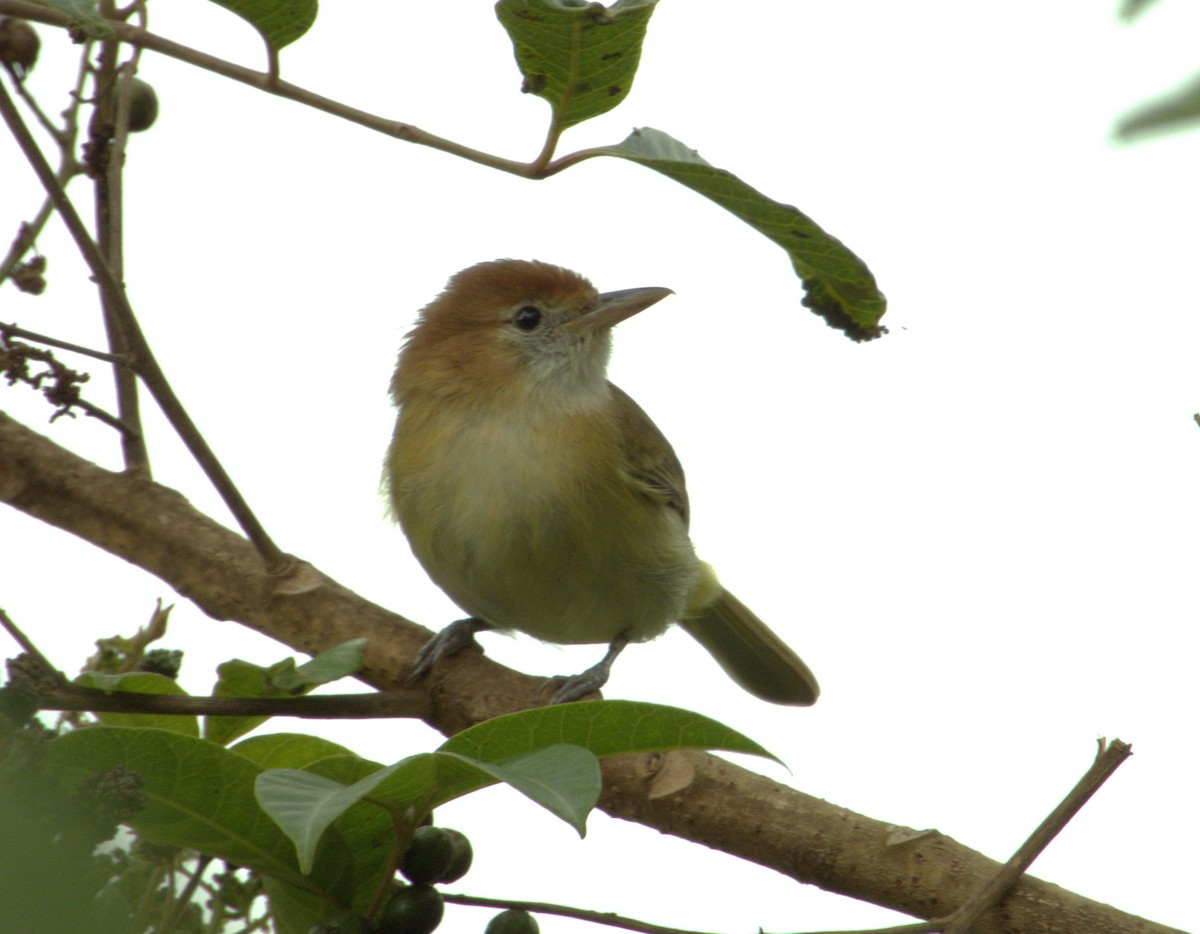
column 540, row 497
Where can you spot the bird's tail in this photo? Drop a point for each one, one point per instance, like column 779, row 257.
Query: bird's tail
column 750, row 653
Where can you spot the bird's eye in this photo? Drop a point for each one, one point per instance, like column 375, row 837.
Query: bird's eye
column 527, row 318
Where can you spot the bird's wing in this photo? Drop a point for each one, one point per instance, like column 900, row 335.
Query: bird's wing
column 650, row 465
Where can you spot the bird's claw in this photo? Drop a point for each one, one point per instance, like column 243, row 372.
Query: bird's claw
column 573, row 687
column 459, row 635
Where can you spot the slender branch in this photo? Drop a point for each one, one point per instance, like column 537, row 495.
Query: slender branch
column 107, row 158
column 147, row 365
column 1108, row 760
column 69, row 167
column 11, row 330
column 406, row 702
column 112, row 421
column 185, row 896
column 32, row 650
column 46, row 123
column 263, row 82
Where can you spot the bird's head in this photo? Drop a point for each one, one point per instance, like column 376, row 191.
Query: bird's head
column 516, row 327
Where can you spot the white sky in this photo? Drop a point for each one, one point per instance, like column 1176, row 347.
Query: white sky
column 979, row 531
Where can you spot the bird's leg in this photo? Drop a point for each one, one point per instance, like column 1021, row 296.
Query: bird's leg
column 459, row 635
column 573, row 687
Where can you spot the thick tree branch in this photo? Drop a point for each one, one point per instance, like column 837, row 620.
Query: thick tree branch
column 803, row 837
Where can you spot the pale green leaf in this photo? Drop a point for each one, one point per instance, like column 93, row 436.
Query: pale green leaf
column 563, row 779
column 304, row 804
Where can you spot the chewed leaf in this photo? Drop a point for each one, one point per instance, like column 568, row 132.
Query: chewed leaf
column 581, row 57
column 839, row 286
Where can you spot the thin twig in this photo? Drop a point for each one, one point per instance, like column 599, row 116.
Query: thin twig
column 374, row 706
column 68, row 168
column 262, row 81
column 147, row 365
column 28, row 647
column 566, row 911
column 107, row 142
column 11, row 330
column 184, row 898
column 1109, row 757
column 46, row 122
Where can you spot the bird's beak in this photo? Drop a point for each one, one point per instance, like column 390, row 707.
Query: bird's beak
column 614, row 307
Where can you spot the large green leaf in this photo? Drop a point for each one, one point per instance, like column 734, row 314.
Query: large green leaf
column 563, row 779
column 201, row 796
column 581, row 57
column 291, row 751
column 607, row 728
column 304, row 804
column 279, row 22
column 839, row 286
column 140, row 682
column 548, row 754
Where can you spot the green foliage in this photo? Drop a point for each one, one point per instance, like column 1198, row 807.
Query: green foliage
column 140, row 682
column 840, row 287
column 580, row 57
column 279, row 22
column 285, row 678
column 325, row 833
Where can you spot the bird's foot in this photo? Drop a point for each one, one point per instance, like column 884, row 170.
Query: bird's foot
column 572, row 687
column 459, row 635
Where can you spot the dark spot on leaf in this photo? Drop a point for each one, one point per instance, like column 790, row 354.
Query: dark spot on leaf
column 614, row 90
column 533, row 84
column 608, row 56
column 823, row 302
column 798, row 233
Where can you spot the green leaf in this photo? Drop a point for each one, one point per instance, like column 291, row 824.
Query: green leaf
column 201, row 796
column 524, row 749
column 237, row 678
column 85, row 14
column 581, row 57
column 564, row 779
column 293, row 910
column 279, row 22
column 606, row 728
column 289, row 750
column 839, row 286
column 304, row 804
column 1177, row 110
column 338, row 662
column 140, row 682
